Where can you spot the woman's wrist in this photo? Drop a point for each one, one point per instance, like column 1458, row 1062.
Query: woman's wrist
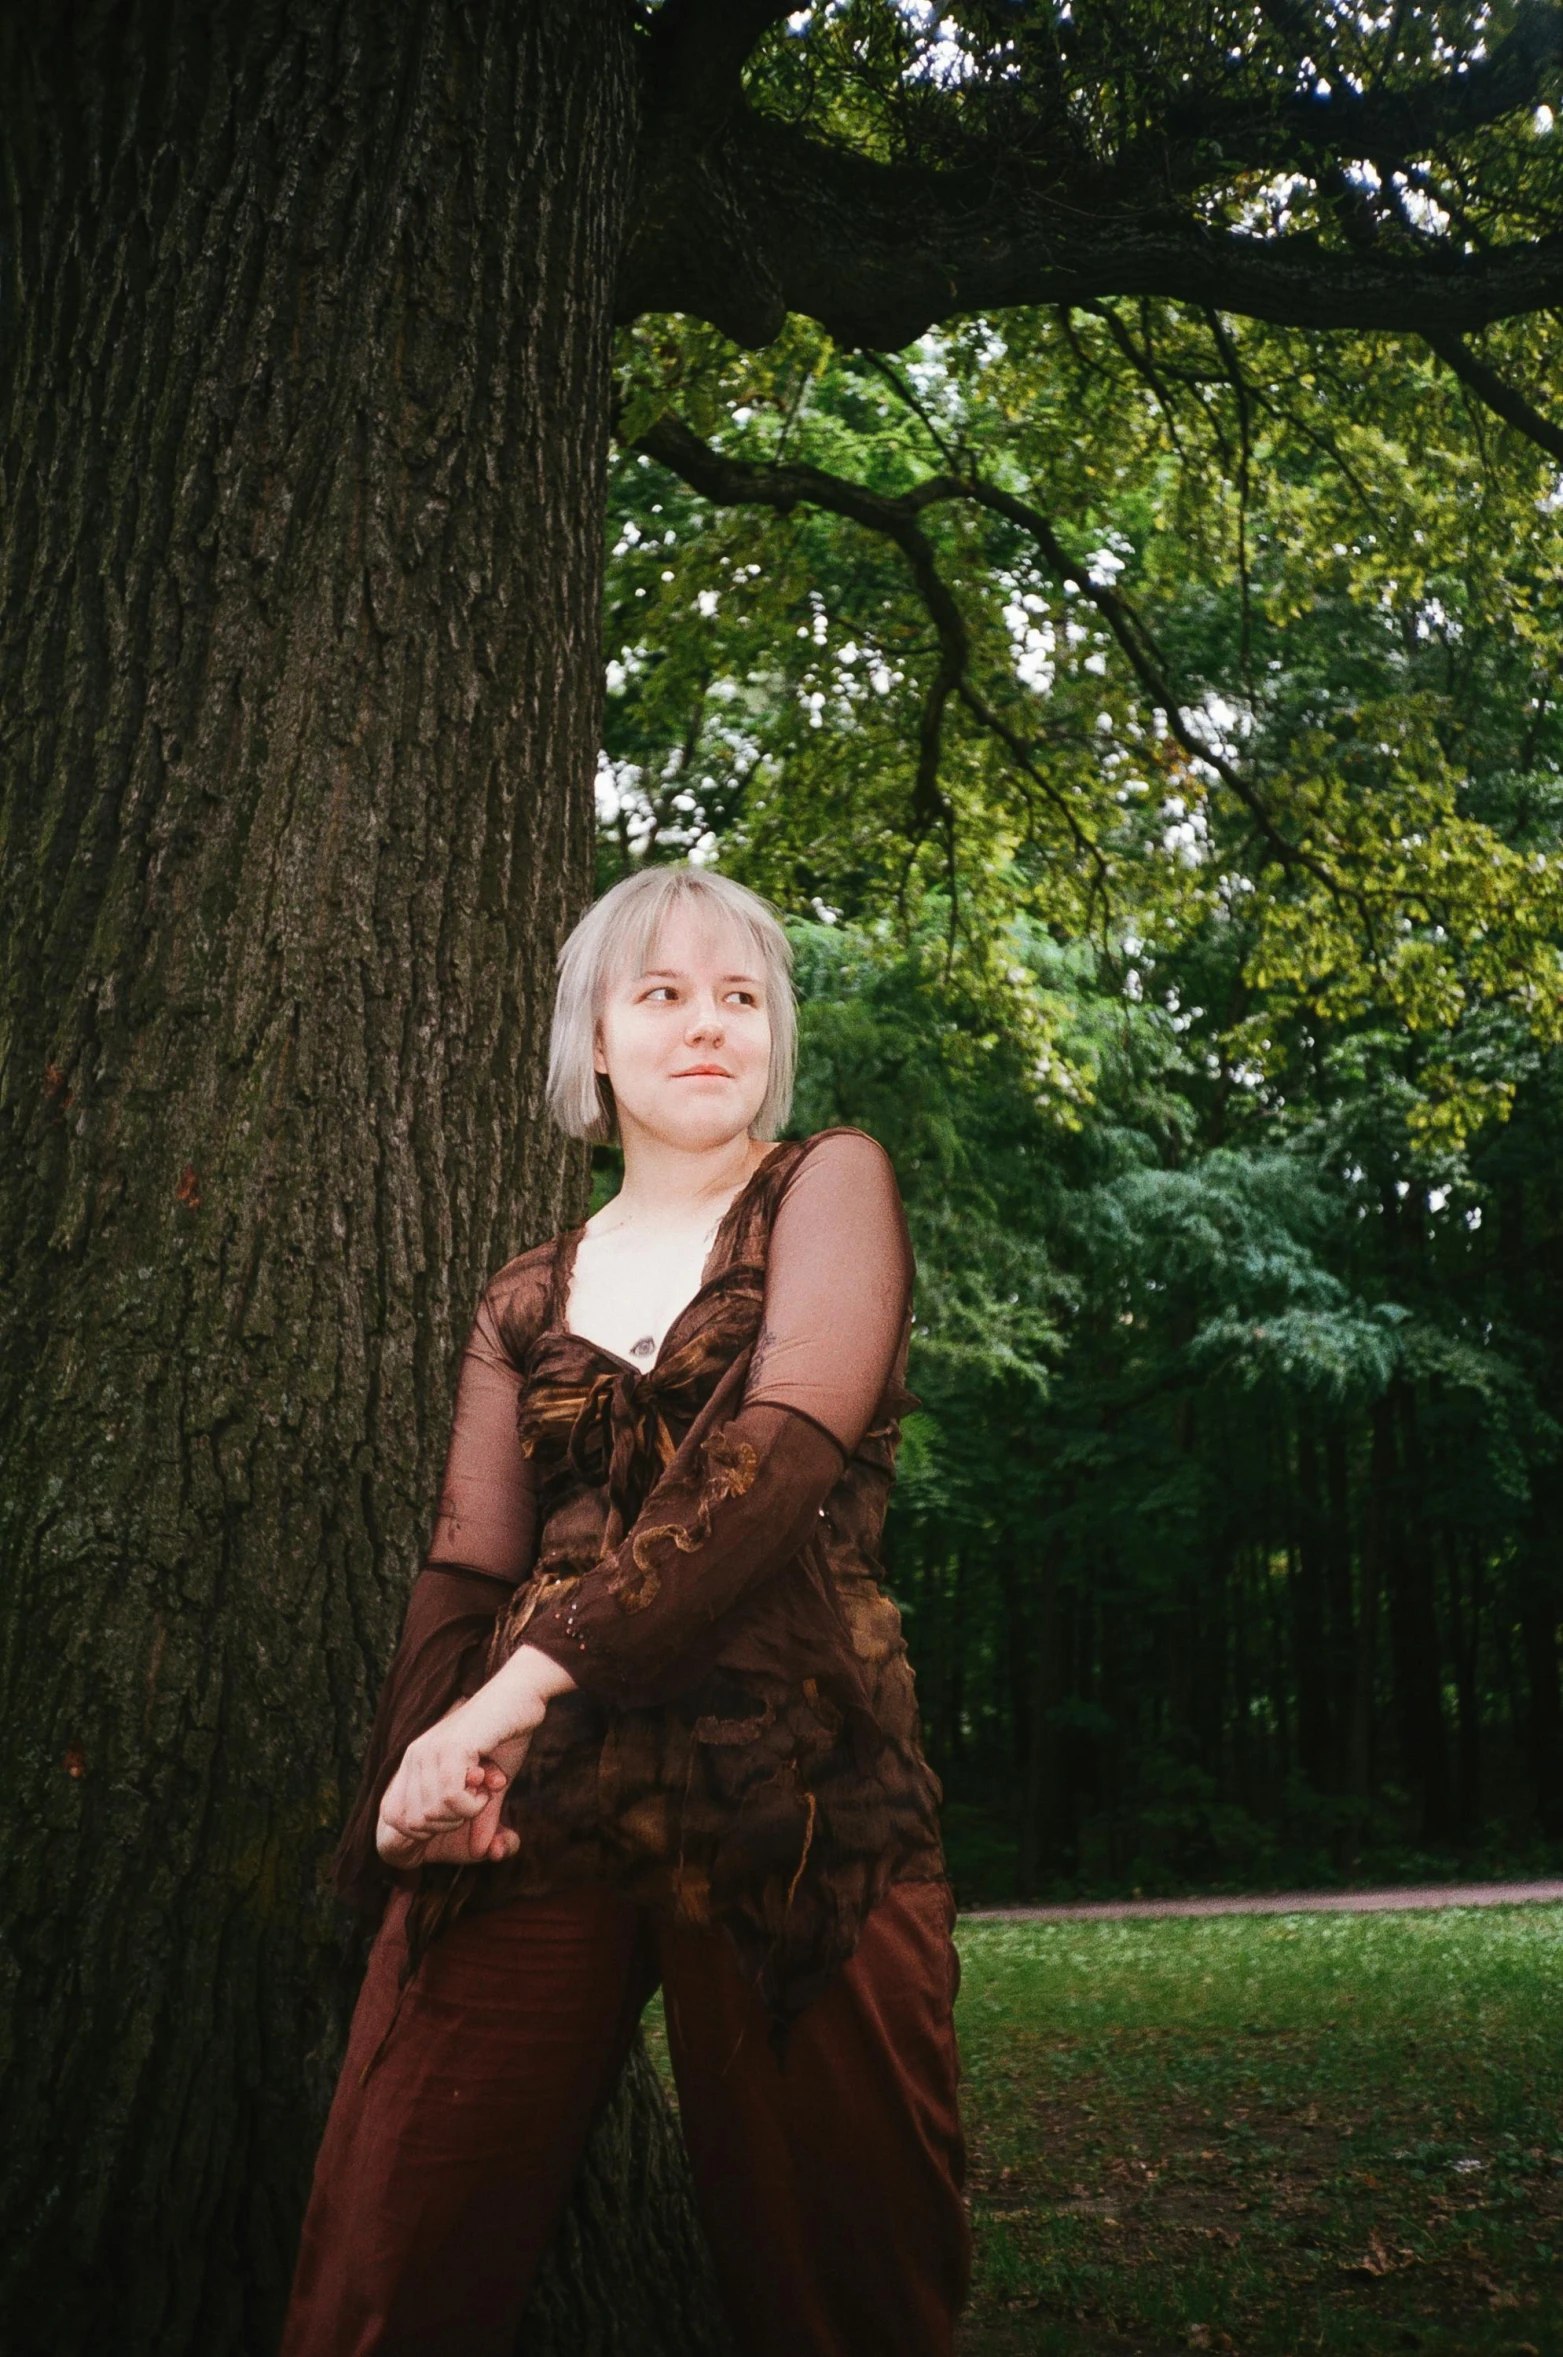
column 513, row 1700
column 444, row 1800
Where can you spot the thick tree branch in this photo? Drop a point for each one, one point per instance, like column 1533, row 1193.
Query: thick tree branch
column 1498, row 394
column 1383, row 126
column 696, row 51
column 761, row 217
column 734, row 482
column 880, row 252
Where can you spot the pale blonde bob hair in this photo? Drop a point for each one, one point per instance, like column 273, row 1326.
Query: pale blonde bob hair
column 616, row 937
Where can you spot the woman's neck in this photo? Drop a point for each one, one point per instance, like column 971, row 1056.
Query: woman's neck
column 671, row 1186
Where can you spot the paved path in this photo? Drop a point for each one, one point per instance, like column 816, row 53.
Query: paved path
column 1385, row 1902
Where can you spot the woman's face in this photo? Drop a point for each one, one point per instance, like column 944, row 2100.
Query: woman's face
column 687, row 1044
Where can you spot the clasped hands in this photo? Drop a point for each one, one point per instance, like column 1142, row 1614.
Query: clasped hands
column 442, row 1805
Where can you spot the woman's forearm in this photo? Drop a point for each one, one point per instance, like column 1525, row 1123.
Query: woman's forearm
column 727, row 1514
column 514, row 1699
column 444, row 1801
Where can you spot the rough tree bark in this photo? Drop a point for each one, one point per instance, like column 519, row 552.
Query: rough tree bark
column 305, row 419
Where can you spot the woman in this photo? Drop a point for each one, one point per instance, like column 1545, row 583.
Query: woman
column 651, row 1718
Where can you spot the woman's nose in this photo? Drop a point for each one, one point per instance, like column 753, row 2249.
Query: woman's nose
column 705, row 1022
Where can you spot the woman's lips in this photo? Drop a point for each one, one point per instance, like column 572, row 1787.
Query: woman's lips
column 703, row 1072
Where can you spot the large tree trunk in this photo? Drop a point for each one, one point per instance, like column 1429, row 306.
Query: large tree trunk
column 304, row 419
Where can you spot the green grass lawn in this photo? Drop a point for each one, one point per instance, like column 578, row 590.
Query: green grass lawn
column 1264, row 2134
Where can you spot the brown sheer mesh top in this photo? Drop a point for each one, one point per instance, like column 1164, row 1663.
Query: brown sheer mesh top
column 697, row 1543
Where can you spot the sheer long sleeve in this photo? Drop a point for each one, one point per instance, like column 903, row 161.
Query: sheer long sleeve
column 485, row 1533
column 742, row 1495
column 487, row 1519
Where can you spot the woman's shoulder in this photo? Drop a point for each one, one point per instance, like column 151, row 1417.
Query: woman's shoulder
column 838, row 1175
column 845, row 1150
column 843, row 1130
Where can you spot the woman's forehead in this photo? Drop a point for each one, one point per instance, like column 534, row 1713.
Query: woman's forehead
column 688, row 941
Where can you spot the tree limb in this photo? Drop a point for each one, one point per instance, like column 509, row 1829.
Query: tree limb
column 764, row 217
column 877, row 253
column 1499, row 395
column 1383, row 125
column 733, row 482
column 1145, row 661
column 696, row 51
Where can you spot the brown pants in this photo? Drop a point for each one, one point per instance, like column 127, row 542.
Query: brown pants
column 829, row 2190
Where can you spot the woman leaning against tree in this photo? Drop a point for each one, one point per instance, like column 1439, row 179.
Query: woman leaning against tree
column 652, row 1719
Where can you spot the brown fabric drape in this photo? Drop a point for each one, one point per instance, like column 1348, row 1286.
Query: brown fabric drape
column 830, row 2189
column 697, row 1542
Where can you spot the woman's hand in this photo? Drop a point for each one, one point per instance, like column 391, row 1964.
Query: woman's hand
column 442, row 1807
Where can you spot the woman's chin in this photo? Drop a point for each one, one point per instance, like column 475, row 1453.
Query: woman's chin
column 701, row 1122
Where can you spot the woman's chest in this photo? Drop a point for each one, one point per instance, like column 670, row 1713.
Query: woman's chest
column 624, row 1298
column 590, row 1414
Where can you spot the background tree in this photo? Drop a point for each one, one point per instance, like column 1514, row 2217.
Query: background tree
column 305, row 414
column 1219, row 1538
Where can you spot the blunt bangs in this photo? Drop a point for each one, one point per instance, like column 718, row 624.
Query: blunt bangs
column 616, row 937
